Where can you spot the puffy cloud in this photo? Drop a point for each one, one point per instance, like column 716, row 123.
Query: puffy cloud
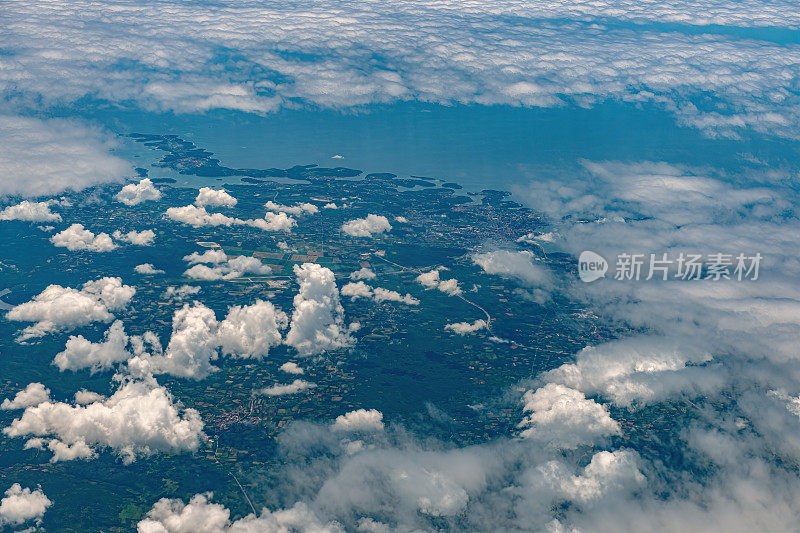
column 197, row 338
column 22, row 505
column 363, row 273
column 214, row 197
column 368, row 226
column 180, row 293
column 291, row 367
column 30, row 212
column 45, row 157
column 462, row 328
column 250, row 331
column 198, row 216
column 298, row 385
column 641, row 370
column 136, row 193
column 209, row 256
column 80, row 353
column 359, row 420
column 76, row 237
column 443, row 53
column 318, row 317
column 564, row 418
column 201, row 516
column 518, row 265
column 360, row 289
column 148, row 269
column 33, row 394
column 139, row 238
column 230, row 269
column 59, row 308
column 84, row 397
column 139, row 419
column 297, row 209
column 432, row 280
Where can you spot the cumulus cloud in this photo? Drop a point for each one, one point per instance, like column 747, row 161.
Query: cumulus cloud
column 139, row 419
column 202, row 516
column 223, row 268
column 23, row 505
column 214, row 198
column 298, row 385
column 564, row 418
column 33, row 394
column 198, row 338
column 80, row 353
column 148, row 269
column 518, row 265
column 138, row 238
column 45, row 157
column 136, row 193
column 198, row 216
column 432, row 280
column 297, row 209
column 76, row 237
column 462, row 328
column 363, row 273
column 318, row 316
column 180, row 293
column 442, row 53
column 30, row 212
column 360, row 289
column 359, row 420
column 291, row 367
column 61, row 308
column 369, row 226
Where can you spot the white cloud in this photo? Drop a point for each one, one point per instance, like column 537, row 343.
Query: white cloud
column 76, row 238
column 564, row 418
column 297, row 209
column 363, row 273
column 291, row 367
column 30, row 212
column 330, row 205
column 60, row 308
column 250, row 331
column 359, row 420
column 443, row 53
column 360, row 289
column 84, row 397
column 138, row 238
column 148, row 269
column 517, row 265
column 198, row 216
column 136, row 193
column 318, row 317
column 201, row 516
column 139, row 419
column 79, row 353
column 22, row 505
column 230, row 269
column 209, row 256
column 368, row 226
column 198, row 338
column 180, row 293
column 33, row 394
column 294, row 387
column 46, row 157
column 214, row 198
column 462, row 328
column 432, row 280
